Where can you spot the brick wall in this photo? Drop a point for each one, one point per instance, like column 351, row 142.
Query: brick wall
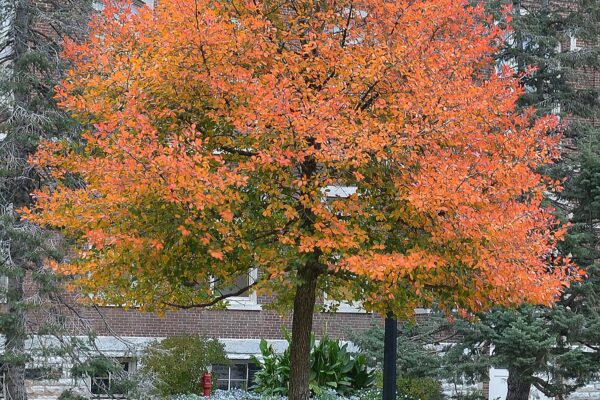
column 238, row 324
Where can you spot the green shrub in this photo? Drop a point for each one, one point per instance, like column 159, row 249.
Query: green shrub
column 419, row 388
column 472, row 395
column 332, row 368
column 70, row 395
column 273, row 377
column 177, row 363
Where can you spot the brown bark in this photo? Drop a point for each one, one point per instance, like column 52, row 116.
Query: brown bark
column 15, row 344
column 15, row 334
column 302, row 322
column 518, row 386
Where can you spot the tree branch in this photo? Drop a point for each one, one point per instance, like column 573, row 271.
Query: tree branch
column 364, row 103
column 233, row 150
column 345, row 35
column 212, row 302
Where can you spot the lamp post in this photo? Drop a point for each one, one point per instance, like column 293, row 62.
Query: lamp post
column 390, row 344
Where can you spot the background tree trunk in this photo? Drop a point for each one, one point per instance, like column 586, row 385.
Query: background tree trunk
column 518, row 387
column 15, row 333
column 14, row 352
column 30, row 44
column 304, row 304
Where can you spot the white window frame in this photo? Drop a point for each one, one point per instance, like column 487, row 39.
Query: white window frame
column 338, row 191
column 249, row 302
column 422, row 311
column 573, row 43
column 99, row 5
column 344, row 307
column 355, row 307
column 229, row 380
column 94, row 296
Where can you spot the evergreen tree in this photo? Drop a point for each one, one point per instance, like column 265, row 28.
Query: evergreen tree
column 540, row 347
column 30, row 66
column 427, row 354
column 416, row 357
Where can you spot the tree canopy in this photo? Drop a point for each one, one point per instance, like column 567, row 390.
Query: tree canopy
column 215, row 130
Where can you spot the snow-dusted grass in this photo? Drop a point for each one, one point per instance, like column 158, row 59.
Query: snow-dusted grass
column 370, row 394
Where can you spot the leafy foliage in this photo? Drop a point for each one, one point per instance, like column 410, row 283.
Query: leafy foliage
column 547, row 341
column 70, row 395
column 214, row 130
column 332, row 368
column 553, row 348
column 422, row 362
column 273, row 377
column 415, row 357
column 177, row 363
column 231, row 175
column 420, row 388
column 472, row 395
column 541, row 42
column 100, row 366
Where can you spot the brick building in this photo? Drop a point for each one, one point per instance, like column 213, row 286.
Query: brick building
column 124, row 333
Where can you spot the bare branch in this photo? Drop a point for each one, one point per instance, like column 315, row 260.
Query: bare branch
column 213, row 302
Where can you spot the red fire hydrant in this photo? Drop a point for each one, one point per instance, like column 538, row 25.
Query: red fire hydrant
column 206, row 383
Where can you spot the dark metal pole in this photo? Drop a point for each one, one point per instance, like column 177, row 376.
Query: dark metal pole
column 389, row 357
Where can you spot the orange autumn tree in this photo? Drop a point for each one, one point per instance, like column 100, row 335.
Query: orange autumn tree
column 216, row 128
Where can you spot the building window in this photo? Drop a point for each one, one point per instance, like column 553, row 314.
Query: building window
column 52, row 373
column 112, row 382
column 573, row 46
column 243, row 301
column 237, row 375
column 350, row 307
column 338, row 191
column 342, row 306
column 135, row 5
column 239, row 283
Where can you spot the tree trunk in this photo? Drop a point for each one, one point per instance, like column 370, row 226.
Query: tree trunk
column 16, row 332
column 304, row 305
column 518, row 387
column 14, row 350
